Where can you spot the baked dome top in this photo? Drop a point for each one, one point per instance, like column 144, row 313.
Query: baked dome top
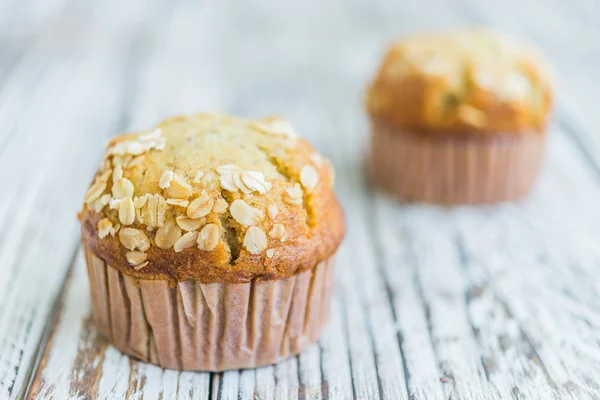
column 466, row 80
column 212, row 198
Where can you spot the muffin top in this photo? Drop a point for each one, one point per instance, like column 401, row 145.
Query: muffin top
column 468, row 80
column 212, row 198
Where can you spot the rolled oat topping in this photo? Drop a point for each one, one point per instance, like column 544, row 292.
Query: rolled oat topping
column 245, row 214
column 272, row 211
column 278, row 232
column 140, row 266
column 139, row 202
column 142, row 144
column 189, row 224
column 101, row 202
column 117, row 173
column 95, row 191
column 133, row 239
column 198, row 176
column 136, row 257
column 104, row 227
column 179, row 188
column 294, row 194
column 220, row 206
column 277, row 127
column 200, row 206
column 233, row 178
column 126, row 211
column 123, row 188
column 255, row 240
column 178, row 202
column 165, row 180
column 309, row 177
column 186, row 241
column 167, row 235
column 208, row 238
column 236, row 173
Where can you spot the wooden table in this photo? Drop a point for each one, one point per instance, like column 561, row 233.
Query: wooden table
column 489, row 303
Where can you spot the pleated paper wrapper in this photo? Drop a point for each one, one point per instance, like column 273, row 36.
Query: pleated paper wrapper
column 452, row 168
column 214, row 326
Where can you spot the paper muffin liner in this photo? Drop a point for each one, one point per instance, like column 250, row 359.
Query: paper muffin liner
column 210, row 326
column 454, row 168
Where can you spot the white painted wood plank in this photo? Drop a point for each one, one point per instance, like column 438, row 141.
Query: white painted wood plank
column 286, row 379
column 443, row 290
column 265, row 383
column 121, row 377
column 114, row 367
column 309, row 373
column 536, row 390
column 229, row 385
column 397, row 258
column 57, row 372
column 337, row 377
column 33, row 276
column 247, row 384
column 508, row 356
column 305, row 75
column 373, row 345
column 537, row 274
column 193, row 386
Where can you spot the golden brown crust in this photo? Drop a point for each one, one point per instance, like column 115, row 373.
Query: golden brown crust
column 465, row 81
column 284, row 219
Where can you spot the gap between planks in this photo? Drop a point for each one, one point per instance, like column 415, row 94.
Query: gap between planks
column 376, row 361
column 44, row 345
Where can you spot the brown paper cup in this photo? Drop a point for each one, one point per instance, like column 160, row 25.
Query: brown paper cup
column 454, row 168
column 214, row 326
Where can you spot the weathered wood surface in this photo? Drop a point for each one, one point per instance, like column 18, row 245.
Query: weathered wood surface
column 489, row 303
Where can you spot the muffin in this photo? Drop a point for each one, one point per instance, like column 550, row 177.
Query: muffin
column 458, row 118
column 209, row 242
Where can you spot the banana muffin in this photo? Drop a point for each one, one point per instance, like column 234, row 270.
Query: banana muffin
column 209, row 242
column 458, row 117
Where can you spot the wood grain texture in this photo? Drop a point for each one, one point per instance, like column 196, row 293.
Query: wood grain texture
column 489, row 303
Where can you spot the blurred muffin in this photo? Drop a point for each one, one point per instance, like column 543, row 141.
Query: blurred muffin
column 458, row 118
column 209, row 242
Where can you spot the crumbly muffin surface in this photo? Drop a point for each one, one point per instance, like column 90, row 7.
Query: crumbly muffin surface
column 468, row 80
column 212, row 198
